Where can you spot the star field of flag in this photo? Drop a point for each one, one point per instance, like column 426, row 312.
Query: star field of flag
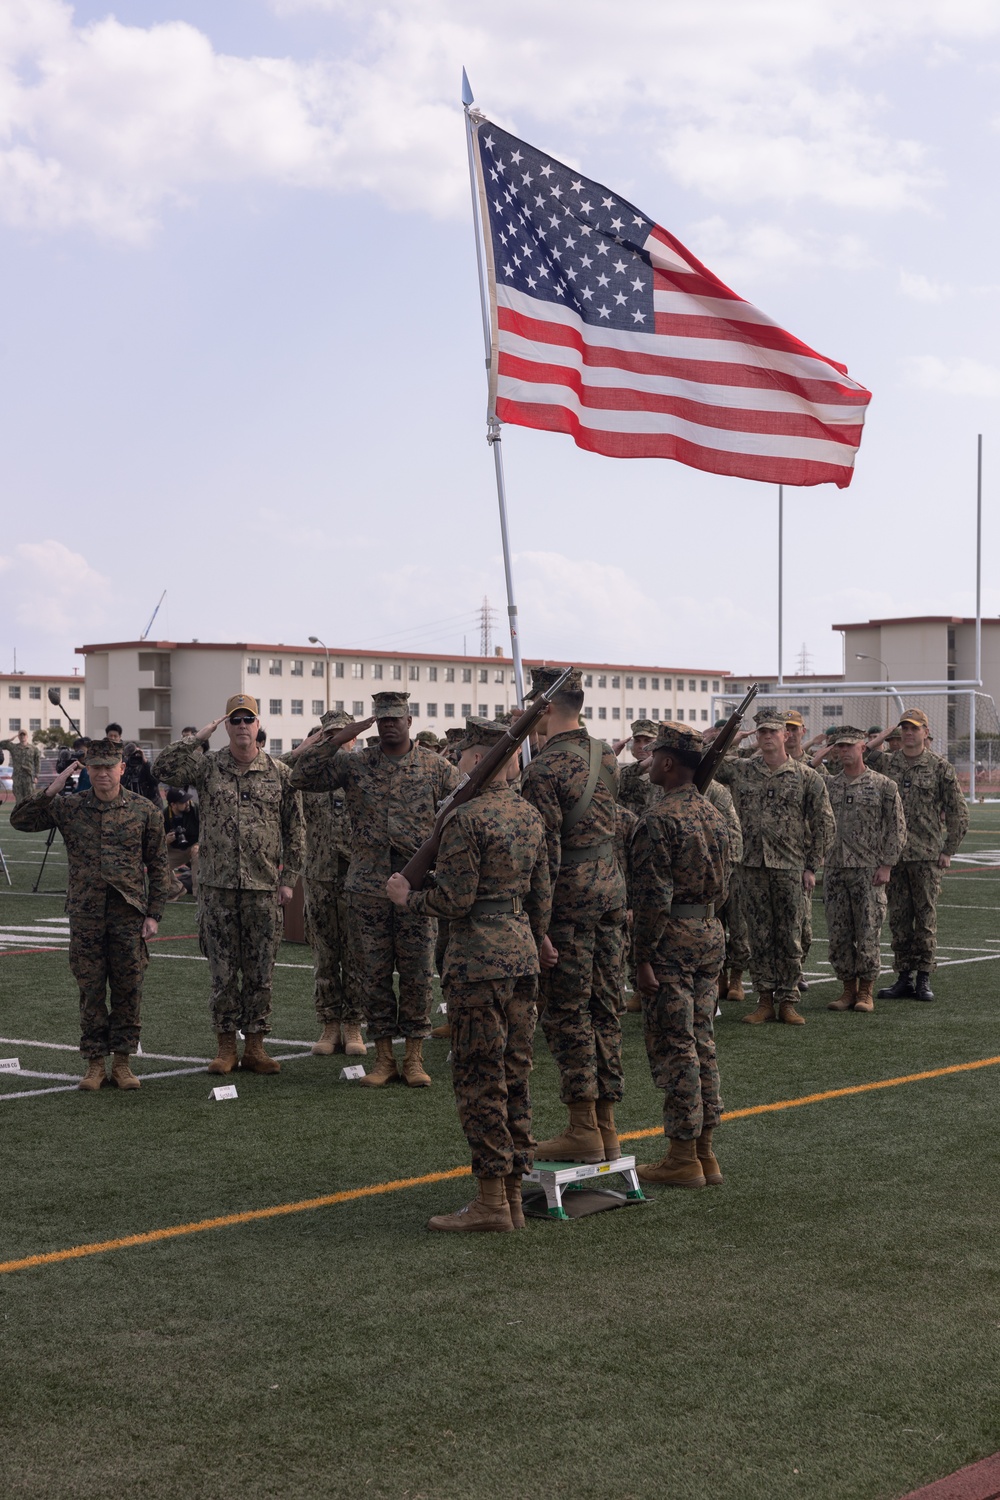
column 562, row 238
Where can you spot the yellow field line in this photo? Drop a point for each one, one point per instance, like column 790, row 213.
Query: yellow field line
column 350, row 1195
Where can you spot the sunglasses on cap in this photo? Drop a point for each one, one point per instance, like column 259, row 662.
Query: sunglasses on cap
column 242, row 719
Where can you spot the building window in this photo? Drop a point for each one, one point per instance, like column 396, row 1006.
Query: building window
column 296, row 670
column 704, row 684
column 666, row 684
column 357, row 669
column 466, row 710
column 588, row 680
column 498, row 677
column 74, row 695
column 691, row 685
column 338, row 669
column 642, row 684
column 832, row 710
column 55, row 723
column 602, row 682
column 414, row 674
column 339, row 705
column 253, row 666
column 602, row 713
column 34, row 723
column 274, row 666
column 276, row 747
column 432, row 674
column 715, row 686
column 14, row 692
column 13, row 723
column 432, row 710
column 616, row 713
column 318, row 708
column 484, row 676
column 732, row 687
column 296, row 744
column 680, row 715
column 357, row 707
column 484, row 711
column 513, row 679
column 449, row 710
column 274, row 707
column 654, row 683
column 642, row 714
column 35, row 692
column 656, row 713
column 629, row 714
column 616, row 682
column 704, row 714
column 377, row 671
column 317, row 669
column 466, row 674
column 629, row 682
column 397, row 672
column 449, row 674
column 588, row 712
column 413, row 709
column 298, row 706
column 497, row 710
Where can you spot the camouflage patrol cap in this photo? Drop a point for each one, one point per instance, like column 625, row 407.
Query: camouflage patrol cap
column 427, row 737
column 373, row 739
column 794, row 720
column 678, row 737
column 483, row 732
column 875, row 729
column 915, row 716
column 390, row 705
column 336, row 718
column 242, row 701
column 769, row 718
column 453, row 734
column 542, row 679
column 644, row 726
column 104, row 753
column 848, row 735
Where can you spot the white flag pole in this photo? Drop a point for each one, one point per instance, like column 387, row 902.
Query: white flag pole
column 493, row 423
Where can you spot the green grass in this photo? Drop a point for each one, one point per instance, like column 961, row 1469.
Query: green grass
column 825, row 1325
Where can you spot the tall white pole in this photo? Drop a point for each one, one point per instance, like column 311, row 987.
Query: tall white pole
column 781, row 579
column 979, row 617
column 493, row 425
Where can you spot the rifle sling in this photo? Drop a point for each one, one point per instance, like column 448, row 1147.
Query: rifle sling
column 581, row 807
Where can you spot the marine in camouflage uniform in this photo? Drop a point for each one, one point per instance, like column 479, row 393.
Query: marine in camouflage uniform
column 937, row 820
column 573, row 781
column 794, row 730
column 787, row 828
column 392, row 800
column 337, row 987
column 634, row 790
column 491, row 885
column 251, row 846
column 681, row 870
column 118, row 883
column 626, row 823
column 871, row 831
column 26, row 762
column 452, row 739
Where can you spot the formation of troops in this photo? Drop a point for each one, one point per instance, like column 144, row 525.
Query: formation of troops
column 556, row 883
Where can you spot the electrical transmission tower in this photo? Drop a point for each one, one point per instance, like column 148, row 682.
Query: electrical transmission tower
column 486, row 614
column 804, row 662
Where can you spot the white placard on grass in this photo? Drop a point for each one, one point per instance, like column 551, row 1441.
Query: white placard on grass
column 225, row 1091
column 10, row 1065
column 352, row 1074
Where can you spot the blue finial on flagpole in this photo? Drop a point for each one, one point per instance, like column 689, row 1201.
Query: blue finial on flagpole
column 467, row 94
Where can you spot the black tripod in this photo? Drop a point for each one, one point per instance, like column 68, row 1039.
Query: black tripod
column 41, row 868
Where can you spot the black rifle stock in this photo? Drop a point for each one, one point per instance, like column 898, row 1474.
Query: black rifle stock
column 716, row 752
column 420, row 864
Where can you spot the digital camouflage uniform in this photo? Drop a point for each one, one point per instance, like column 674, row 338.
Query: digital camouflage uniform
column 787, row 828
column 681, row 857
column 26, row 762
column 870, row 831
column 392, row 802
column 251, row 842
column 110, row 849
column 626, row 823
column 580, row 995
column 492, row 850
column 937, row 820
column 337, row 986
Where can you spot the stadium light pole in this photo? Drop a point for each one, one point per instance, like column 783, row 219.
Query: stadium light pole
column 314, row 640
column 781, row 577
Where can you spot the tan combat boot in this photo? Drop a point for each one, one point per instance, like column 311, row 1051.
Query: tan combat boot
column 354, row 1045
column 121, row 1074
column 255, row 1059
column 865, row 1000
column 385, row 1069
column 735, row 990
column 707, row 1157
column 96, row 1075
column 441, row 1032
column 679, row 1168
column 226, row 1058
column 329, row 1042
column 580, row 1141
column 788, row 1014
column 764, row 1011
column 633, row 1004
column 605, row 1111
column 512, row 1191
column 845, row 1000
column 488, row 1212
column 414, row 1072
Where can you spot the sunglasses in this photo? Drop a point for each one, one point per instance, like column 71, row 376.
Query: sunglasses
column 242, row 719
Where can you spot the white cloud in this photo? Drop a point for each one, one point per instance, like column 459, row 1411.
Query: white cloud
column 106, row 124
column 52, row 590
column 743, row 252
column 921, row 289
column 958, row 376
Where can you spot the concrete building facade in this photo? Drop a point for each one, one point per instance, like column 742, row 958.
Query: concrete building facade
column 156, row 688
column 24, row 702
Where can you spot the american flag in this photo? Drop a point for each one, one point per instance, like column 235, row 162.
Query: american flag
column 605, row 327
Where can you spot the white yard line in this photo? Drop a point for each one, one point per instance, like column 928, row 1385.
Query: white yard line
column 145, row 1077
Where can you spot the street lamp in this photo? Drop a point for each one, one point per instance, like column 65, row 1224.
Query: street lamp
column 314, row 640
column 863, row 656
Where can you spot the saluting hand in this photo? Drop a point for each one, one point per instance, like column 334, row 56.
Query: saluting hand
column 57, row 783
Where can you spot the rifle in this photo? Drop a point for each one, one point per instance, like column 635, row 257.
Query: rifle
column 420, row 865
column 715, row 754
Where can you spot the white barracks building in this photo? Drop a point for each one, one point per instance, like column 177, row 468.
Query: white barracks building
column 156, row 688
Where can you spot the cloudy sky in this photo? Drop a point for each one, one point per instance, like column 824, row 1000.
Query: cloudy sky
column 241, row 358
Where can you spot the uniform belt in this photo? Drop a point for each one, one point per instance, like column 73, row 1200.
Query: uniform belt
column 498, row 906
column 680, row 910
column 589, row 851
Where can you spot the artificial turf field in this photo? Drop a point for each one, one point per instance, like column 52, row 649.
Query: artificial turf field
column 826, row 1324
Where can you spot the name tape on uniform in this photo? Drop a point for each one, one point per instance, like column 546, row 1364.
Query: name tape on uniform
column 225, row 1091
column 10, row 1065
column 352, row 1074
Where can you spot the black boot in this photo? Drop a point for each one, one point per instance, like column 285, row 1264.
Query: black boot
column 922, row 989
column 901, row 990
